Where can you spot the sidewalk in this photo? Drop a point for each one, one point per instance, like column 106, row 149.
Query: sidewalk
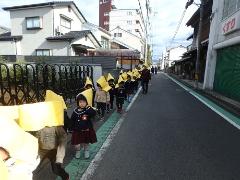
column 76, row 167
column 225, row 102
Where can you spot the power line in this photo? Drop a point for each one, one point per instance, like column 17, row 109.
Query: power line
column 178, row 26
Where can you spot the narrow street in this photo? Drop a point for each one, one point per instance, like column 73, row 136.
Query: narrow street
column 169, row 134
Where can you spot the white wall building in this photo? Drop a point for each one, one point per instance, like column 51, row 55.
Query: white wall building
column 4, row 30
column 128, row 19
column 102, row 35
column 222, row 72
column 174, row 54
column 52, row 28
column 130, row 40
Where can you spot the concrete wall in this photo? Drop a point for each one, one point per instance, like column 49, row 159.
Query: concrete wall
column 7, row 48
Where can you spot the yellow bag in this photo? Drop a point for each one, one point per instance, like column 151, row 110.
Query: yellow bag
column 33, row 117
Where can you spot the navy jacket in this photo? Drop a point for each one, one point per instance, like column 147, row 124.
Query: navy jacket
column 81, row 118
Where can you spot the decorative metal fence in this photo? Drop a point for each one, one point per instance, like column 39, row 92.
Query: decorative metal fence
column 27, row 83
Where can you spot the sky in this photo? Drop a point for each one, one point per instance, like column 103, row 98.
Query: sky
column 164, row 19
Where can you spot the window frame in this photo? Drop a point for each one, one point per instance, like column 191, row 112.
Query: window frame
column 65, row 19
column 32, row 21
column 42, row 50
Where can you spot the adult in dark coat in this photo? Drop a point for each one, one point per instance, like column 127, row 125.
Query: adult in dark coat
column 145, row 77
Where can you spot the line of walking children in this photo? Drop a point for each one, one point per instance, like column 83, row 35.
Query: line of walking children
column 50, row 134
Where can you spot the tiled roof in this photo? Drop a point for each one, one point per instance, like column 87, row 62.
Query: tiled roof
column 53, row 3
column 72, row 35
column 7, row 37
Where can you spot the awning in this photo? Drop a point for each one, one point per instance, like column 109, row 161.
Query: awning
column 81, row 46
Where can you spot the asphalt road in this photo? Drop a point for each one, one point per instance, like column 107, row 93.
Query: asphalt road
column 170, row 135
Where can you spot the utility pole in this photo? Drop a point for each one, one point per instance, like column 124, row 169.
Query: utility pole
column 199, row 45
column 146, row 26
column 199, row 37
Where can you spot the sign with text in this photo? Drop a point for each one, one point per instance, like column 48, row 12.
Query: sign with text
column 231, row 24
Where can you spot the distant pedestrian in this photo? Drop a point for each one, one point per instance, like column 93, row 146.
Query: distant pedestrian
column 156, row 69
column 145, row 77
column 83, row 132
column 152, row 70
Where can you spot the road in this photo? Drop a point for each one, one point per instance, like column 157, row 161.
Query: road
column 170, row 135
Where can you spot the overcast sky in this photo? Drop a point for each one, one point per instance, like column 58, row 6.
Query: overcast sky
column 165, row 17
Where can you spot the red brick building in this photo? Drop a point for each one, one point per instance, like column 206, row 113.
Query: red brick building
column 105, row 7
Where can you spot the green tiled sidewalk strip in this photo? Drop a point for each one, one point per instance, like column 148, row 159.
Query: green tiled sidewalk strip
column 77, row 167
column 231, row 118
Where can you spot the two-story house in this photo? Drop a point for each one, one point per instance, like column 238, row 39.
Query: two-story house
column 51, row 29
column 187, row 64
column 129, row 40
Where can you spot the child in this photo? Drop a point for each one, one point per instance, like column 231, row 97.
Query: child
column 111, row 93
column 16, row 168
column 52, row 146
column 101, row 98
column 89, row 85
column 83, row 131
column 135, row 84
column 129, row 86
column 120, row 95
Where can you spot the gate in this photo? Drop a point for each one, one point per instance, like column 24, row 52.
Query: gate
column 27, row 83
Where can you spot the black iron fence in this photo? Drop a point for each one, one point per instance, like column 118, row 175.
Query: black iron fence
column 27, row 83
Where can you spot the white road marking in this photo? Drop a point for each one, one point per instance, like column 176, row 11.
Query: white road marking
column 99, row 156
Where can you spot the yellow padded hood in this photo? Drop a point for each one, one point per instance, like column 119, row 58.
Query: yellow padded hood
column 104, row 84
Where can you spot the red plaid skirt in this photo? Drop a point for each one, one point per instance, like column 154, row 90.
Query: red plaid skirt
column 84, row 136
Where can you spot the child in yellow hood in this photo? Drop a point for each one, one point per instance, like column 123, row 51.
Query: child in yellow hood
column 102, row 98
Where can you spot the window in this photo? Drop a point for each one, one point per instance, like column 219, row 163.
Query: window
column 106, row 13
column 137, row 22
column 129, row 13
column 129, row 22
column 230, row 6
column 43, row 52
column 33, row 22
column 106, row 23
column 65, row 22
column 105, row 43
column 117, row 34
column 105, row 1
column 136, row 30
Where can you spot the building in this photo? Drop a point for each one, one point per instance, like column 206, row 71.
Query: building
column 128, row 19
column 105, row 6
column 130, row 40
column 49, row 29
column 102, row 35
column 173, row 55
column 4, row 30
column 187, row 65
column 222, row 72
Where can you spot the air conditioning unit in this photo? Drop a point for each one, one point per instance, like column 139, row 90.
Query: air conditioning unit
column 57, row 31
